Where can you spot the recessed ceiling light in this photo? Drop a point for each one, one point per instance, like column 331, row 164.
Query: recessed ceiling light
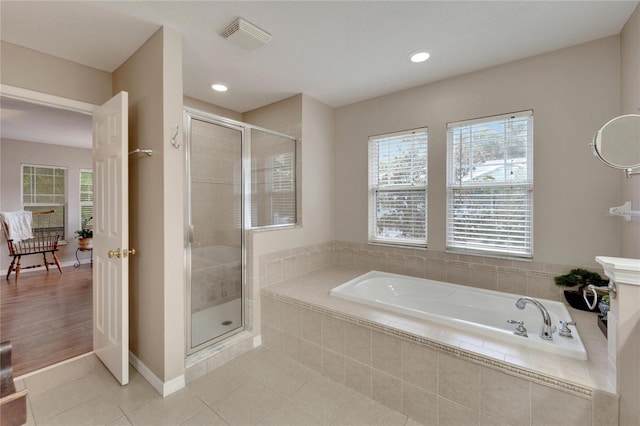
column 219, row 87
column 419, row 57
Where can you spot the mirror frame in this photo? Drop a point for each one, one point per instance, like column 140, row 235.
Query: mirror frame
column 598, row 138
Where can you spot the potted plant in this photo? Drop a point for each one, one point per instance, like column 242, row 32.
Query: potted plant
column 85, row 236
column 581, row 278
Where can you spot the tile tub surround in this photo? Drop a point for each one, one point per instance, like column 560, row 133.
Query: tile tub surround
column 534, row 279
column 433, row 373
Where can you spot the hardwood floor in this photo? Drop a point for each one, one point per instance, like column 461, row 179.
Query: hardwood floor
column 47, row 316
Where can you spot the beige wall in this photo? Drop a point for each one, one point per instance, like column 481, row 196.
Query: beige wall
column 173, row 208
column 628, row 334
column 312, row 122
column 30, row 69
column 630, row 104
column 154, row 83
column 572, row 92
column 211, row 109
column 15, row 153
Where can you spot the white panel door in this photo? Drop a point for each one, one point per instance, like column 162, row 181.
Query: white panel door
column 111, row 237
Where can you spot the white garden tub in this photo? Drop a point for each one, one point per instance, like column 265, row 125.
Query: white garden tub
column 469, row 308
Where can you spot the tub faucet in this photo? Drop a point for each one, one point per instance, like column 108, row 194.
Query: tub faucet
column 547, row 328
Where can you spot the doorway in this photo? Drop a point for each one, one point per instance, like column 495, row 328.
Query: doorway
column 47, row 316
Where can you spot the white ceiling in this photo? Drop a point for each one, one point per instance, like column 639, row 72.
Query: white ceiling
column 338, row 52
column 37, row 123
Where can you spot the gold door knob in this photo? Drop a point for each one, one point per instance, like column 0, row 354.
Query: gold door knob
column 132, row 252
column 129, row 252
column 112, row 253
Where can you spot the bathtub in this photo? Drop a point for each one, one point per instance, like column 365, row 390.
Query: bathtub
column 478, row 310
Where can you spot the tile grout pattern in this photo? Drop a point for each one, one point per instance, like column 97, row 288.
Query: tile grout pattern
column 533, row 279
column 433, row 386
column 487, row 348
column 258, row 388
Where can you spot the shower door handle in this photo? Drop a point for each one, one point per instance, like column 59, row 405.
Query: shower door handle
column 191, row 231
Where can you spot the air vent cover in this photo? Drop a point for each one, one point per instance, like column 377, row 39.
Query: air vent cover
column 245, row 34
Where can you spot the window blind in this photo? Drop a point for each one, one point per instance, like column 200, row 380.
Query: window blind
column 44, row 189
column 86, row 199
column 490, row 185
column 398, row 188
column 283, row 200
column 273, row 180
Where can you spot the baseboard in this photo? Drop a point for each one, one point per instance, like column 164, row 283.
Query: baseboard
column 257, row 341
column 163, row 388
column 51, row 267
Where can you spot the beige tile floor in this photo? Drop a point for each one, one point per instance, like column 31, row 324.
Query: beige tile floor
column 258, row 388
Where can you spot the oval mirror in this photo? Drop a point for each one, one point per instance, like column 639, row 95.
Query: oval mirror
column 617, row 143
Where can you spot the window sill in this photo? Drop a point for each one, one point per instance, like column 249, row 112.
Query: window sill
column 274, row 228
column 398, row 244
column 490, row 254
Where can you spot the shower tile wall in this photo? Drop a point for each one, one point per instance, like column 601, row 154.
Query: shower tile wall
column 215, row 186
column 213, row 284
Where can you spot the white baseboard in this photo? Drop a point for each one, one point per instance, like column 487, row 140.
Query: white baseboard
column 51, row 267
column 257, row 341
column 163, row 388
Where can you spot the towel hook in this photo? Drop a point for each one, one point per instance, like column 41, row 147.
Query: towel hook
column 173, row 140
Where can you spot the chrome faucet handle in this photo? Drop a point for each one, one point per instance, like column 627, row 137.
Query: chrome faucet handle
column 565, row 331
column 520, row 329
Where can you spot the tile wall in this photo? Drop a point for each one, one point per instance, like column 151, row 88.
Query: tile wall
column 429, row 385
column 432, row 386
column 533, row 279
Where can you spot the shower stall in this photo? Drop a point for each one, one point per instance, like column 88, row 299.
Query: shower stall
column 233, row 184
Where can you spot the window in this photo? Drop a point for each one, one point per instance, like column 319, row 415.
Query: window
column 273, row 180
column 490, row 185
column 283, row 208
column 398, row 188
column 86, row 199
column 43, row 189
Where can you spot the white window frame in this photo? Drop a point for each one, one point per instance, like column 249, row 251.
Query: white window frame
column 494, row 233
column 420, row 188
column 84, row 203
column 36, row 206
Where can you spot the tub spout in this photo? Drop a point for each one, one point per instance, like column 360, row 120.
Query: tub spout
column 547, row 328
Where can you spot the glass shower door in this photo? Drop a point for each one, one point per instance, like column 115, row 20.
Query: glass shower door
column 215, row 246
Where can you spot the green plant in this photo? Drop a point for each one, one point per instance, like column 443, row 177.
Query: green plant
column 580, row 277
column 85, row 233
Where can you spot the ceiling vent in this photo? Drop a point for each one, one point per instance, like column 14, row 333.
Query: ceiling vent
column 245, row 34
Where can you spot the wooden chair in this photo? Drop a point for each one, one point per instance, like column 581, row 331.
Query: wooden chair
column 13, row 404
column 41, row 243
